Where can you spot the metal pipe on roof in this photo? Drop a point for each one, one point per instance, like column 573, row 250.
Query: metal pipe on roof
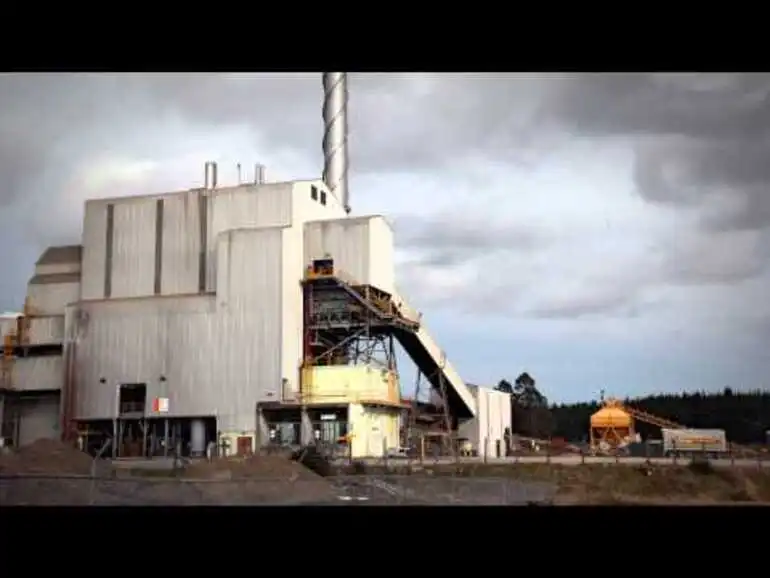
column 210, row 175
column 335, row 140
column 259, row 174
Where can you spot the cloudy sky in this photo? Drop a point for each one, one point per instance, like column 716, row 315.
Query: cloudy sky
column 598, row 231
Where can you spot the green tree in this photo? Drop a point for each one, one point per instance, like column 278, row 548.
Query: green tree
column 529, row 408
column 505, row 386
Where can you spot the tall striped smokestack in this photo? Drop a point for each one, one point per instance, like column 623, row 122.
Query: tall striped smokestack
column 335, row 143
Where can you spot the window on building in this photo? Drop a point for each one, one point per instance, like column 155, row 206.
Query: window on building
column 132, row 398
column 323, row 197
column 314, row 192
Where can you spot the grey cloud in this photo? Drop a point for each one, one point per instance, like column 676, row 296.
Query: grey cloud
column 707, row 107
column 399, row 121
column 717, row 259
column 496, row 267
column 446, row 240
column 696, row 136
column 700, row 138
column 586, row 304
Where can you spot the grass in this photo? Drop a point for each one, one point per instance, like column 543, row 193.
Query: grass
column 698, row 483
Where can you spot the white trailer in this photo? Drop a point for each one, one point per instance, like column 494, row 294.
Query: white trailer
column 688, row 442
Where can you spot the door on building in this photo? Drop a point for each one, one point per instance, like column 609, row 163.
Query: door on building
column 244, row 446
column 38, row 418
column 375, row 440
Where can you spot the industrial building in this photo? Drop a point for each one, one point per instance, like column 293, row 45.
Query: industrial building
column 240, row 316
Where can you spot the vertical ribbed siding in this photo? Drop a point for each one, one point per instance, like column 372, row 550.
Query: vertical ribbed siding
column 52, row 298
column 382, row 255
column 217, row 357
column 362, row 247
column 181, row 243
column 245, row 207
column 45, row 330
column 250, row 312
column 38, row 418
column 292, row 323
column 133, row 254
column 94, row 227
column 158, row 246
column 38, row 373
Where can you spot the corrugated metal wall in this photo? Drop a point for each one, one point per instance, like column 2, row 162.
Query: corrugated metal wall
column 244, row 207
column 52, row 298
column 217, row 356
column 46, row 330
column 134, row 241
column 493, row 416
column 362, row 247
column 250, row 265
column 7, row 325
column 382, row 254
column 180, row 261
column 292, row 314
column 133, row 248
column 38, row 418
column 38, row 373
column 94, row 249
column 137, row 342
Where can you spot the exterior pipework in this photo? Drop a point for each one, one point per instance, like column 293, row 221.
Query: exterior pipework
column 335, row 140
column 259, row 174
column 210, row 175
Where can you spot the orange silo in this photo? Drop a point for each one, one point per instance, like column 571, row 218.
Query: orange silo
column 611, row 427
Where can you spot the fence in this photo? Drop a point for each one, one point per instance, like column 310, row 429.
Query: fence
column 735, row 456
column 341, row 490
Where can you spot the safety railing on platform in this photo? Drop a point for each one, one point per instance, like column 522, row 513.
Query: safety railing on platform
column 380, row 300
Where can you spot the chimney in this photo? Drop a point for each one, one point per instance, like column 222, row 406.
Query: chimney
column 238, row 168
column 335, row 139
column 259, row 174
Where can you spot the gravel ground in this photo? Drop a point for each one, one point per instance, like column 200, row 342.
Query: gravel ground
column 363, row 490
column 51, row 473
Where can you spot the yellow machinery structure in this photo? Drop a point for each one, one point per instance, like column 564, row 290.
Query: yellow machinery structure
column 348, row 383
column 613, row 426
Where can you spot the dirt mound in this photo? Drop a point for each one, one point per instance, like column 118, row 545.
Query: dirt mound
column 46, row 457
column 273, row 479
column 313, row 459
column 264, row 467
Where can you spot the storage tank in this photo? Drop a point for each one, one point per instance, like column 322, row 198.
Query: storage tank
column 611, row 427
column 710, row 441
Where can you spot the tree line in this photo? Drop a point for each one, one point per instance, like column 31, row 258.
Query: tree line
column 745, row 416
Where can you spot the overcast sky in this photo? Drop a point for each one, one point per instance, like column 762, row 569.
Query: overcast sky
column 598, row 231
